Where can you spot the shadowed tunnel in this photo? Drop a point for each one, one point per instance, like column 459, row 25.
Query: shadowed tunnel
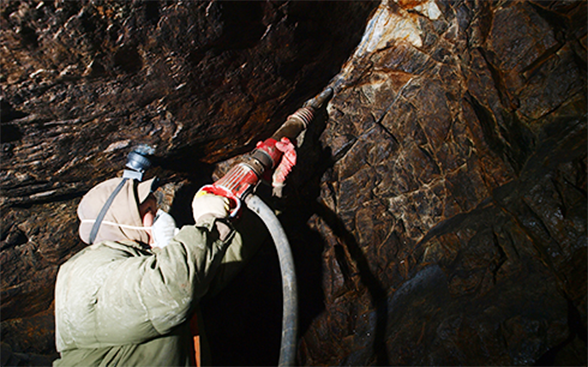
column 437, row 213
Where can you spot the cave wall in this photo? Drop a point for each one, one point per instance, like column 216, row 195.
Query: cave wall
column 85, row 81
column 438, row 213
column 452, row 197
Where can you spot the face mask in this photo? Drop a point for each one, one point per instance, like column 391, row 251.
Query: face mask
column 163, row 229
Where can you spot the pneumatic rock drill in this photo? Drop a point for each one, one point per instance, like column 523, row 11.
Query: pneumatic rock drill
column 242, row 178
column 238, row 185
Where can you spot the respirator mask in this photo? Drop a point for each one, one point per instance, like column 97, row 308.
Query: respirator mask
column 163, row 229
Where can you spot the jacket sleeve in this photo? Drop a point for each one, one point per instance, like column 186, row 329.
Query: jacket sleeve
column 253, row 233
column 147, row 296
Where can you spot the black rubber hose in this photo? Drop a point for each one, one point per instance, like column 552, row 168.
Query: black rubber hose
column 289, row 292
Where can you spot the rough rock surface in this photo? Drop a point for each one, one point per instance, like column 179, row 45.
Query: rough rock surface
column 438, row 214
column 83, row 81
column 453, row 203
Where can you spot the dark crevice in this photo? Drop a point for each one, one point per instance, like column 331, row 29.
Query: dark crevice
column 431, row 159
column 242, row 26
column 89, row 22
column 582, row 62
column 368, row 279
column 466, row 219
column 539, row 225
column 489, row 126
column 567, row 353
column 9, row 133
column 28, row 37
column 507, row 100
column 557, row 21
column 152, row 12
column 520, row 138
column 485, row 21
column 128, row 59
column 388, row 108
column 14, row 237
column 579, row 189
column 502, row 256
column 9, row 8
column 342, row 262
column 514, row 141
column 533, row 68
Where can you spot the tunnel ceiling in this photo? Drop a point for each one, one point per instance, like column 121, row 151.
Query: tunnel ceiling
column 438, row 211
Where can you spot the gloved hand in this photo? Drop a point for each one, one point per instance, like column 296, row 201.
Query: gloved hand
column 288, row 161
column 205, row 203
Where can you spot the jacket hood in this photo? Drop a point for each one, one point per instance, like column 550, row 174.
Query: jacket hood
column 122, row 220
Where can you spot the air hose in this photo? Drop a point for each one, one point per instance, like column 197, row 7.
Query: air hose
column 290, row 307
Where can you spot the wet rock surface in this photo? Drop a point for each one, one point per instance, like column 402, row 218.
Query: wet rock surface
column 438, row 213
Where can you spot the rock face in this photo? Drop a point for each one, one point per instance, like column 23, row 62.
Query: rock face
column 438, row 211
column 452, row 200
column 82, row 82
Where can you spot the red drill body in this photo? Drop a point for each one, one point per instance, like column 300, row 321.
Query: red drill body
column 242, row 178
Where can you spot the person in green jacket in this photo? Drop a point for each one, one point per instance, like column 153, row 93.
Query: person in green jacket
column 123, row 301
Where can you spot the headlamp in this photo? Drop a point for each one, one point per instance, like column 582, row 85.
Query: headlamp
column 138, row 161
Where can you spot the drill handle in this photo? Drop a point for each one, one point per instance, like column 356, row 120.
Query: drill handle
column 234, row 202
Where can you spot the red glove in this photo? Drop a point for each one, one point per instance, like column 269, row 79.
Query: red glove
column 288, row 161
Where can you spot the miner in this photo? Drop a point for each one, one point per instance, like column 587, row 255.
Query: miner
column 128, row 299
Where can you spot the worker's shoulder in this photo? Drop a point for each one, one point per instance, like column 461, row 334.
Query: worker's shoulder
column 108, row 251
column 124, row 248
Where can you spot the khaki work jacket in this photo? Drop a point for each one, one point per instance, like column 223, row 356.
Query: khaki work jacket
column 121, row 304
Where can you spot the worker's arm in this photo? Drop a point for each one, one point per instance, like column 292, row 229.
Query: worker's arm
column 184, row 269
column 252, row 232
column 146, row 296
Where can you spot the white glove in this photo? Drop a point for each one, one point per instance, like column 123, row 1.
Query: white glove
column 209, row 204
column 163, row 229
